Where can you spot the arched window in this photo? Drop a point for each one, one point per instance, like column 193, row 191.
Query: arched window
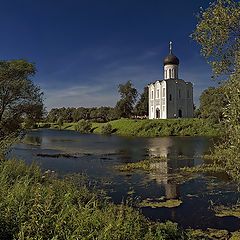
column 173, row 73
column 170, row 76
column 163, row 92
column 179, row 113
column 170, row 97
column 179, row 93
column 157, row 113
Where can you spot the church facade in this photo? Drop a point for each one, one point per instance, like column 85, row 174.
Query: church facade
column 171, row 97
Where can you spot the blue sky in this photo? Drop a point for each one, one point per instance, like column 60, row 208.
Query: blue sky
column 84, row 48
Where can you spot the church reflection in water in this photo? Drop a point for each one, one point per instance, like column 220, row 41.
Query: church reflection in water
column 177, row 156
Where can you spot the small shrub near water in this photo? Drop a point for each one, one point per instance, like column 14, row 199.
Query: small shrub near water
column 83, row 126
column 107, row 129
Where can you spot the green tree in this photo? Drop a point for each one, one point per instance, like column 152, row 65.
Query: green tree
column 80, row 113
column 213, row 101
column 53, row 115
column 141, row 108
column 125, row 105
column 112, row 114
column 218, row 33
column 60, row 122
column 19, row 97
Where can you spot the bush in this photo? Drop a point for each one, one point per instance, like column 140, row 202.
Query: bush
column 107, row 129
column 45, row 125
column 83, row 126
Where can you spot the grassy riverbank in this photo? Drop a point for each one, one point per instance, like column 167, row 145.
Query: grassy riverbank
column 37, row 205
column 154, row 128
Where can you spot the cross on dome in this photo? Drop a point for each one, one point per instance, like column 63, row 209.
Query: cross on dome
column 170, row 47
column 171, row 59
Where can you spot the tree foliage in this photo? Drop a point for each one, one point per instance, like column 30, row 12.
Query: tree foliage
column 213, row 101
column 128, row 94
column 101, row 114
column 19, row 97
column 218, row 33
column 60, row 122
column 141, row 108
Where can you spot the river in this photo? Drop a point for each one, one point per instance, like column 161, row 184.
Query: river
column 97, row 156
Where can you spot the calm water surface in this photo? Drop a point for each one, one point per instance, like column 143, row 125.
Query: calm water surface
column 98, row 156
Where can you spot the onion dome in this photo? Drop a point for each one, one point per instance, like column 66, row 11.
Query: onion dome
column 171, row 59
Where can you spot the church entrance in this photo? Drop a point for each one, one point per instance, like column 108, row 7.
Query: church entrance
column 157, row 113
column 180, row 113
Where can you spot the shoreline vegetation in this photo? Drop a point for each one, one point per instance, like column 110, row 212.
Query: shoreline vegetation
column 39, row 205
column 36, row 205
column 146, row 127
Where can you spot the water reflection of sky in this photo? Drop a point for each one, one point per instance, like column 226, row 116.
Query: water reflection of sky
column 98, row 155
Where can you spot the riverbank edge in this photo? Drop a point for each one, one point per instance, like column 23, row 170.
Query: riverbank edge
column 68, row 208
column 150, row 128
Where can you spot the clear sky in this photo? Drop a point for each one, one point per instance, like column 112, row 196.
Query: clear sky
column 84, row 48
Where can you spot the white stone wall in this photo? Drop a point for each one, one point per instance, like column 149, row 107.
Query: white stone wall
column 173, row 98
column 157, row 100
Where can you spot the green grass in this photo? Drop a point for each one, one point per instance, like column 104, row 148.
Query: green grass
column 36, row 205
column 154, row 128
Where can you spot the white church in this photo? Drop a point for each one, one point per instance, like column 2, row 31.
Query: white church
column 171, row 97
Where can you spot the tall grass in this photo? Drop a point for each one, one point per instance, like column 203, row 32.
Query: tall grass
column 34, row 205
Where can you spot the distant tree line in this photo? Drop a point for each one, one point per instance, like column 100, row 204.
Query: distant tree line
column 130, row 105
column 71, row 114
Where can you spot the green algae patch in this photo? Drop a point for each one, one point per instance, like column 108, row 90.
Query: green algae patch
column 224, row 211
column 210, row 233
column 204, row 168
column 147, row 164
column 171, row 203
